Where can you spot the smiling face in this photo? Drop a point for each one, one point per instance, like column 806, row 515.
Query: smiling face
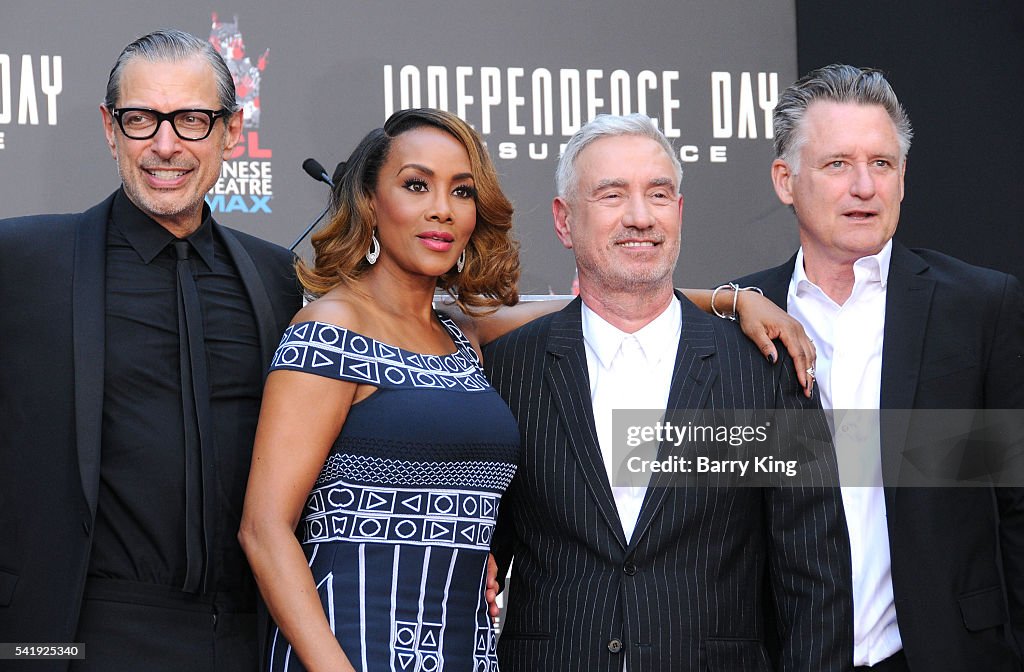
column 424, row 203
column 165, row 176
column 624, row 217
column 848, row 190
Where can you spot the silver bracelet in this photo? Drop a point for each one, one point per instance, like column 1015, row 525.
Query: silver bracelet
column 736, row 289
column 714, row 295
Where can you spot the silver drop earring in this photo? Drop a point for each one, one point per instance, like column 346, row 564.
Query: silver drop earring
column 374, row 251
column 461, row 263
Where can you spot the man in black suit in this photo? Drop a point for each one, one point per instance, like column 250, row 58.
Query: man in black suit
column 128, row 416
column 651, row 578
column 938, row 574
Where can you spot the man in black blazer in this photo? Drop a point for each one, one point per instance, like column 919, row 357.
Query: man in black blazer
column 938, row 573
column 97, row 488
column 651, row 578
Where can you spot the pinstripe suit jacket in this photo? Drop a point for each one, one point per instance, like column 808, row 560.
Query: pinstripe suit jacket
column 687, row 592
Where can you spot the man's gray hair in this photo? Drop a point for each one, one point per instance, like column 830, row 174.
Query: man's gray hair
column 172, row 45
column 835, row 83
column 606, row 126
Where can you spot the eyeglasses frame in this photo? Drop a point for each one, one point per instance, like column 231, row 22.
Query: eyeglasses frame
column 161, row 117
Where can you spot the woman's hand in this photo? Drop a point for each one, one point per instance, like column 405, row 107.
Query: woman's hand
column 762, row 321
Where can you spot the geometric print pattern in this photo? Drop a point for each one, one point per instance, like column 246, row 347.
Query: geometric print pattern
column 415, row 646
column 342, row 511
column 336, row 352
column 418, row 643
column 479, row 474
column 398, row 547
column 485, row 657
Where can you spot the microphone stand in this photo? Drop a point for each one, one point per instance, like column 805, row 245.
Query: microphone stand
column 309, row 228
column 313, row 168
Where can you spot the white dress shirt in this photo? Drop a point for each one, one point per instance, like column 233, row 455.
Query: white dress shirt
column 629, row 371
column 848, row 371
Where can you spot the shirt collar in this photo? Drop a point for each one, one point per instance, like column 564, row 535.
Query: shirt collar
column 873, row 267
column 656, row 338
column 149, row 239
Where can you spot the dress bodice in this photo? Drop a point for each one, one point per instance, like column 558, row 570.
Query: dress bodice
column 398, row 525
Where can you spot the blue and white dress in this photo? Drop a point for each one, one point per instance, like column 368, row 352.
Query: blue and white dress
column 398, row 526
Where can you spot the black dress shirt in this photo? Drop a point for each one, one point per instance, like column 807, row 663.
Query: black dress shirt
column 140, row 522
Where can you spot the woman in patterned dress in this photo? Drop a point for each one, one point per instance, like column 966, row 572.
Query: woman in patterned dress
column 380, row 440
column 382, row 452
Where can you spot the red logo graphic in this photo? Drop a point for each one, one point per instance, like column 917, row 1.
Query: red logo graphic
column 229, row 43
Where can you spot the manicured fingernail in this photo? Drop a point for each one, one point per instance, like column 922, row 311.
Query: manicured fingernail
column 771, row 357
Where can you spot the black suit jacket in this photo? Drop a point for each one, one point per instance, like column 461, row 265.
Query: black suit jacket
column 52, row 276
column 953, row 339
column 685, row 593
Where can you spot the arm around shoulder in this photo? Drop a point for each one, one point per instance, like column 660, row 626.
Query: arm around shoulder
column 485, row 328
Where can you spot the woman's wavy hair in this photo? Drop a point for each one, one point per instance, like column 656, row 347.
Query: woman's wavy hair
column 491, row 273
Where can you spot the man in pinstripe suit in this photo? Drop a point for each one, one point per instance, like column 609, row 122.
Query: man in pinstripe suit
column 651, row 579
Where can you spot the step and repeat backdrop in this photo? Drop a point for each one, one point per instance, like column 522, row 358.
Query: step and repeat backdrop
column 315, row 76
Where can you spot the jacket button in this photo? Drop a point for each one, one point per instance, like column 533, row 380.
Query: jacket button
column 629, row 568
column 615, row 645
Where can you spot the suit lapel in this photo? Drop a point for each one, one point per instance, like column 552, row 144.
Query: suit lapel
column 775, row 282
column 692, row 377
column 88, row 323
column 568, row 379
column 907, row 303
column 266, row 325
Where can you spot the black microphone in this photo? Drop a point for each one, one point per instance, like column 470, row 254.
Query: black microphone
column 317, row 172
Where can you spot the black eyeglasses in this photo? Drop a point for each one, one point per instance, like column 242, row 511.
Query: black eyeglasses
column 141, row 123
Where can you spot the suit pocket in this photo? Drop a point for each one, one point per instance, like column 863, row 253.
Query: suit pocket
column 730, row 654
column 983, row 609
column 8, row 582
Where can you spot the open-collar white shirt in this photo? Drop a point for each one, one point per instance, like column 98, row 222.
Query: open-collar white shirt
column 629, row 371
column 848, row 372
